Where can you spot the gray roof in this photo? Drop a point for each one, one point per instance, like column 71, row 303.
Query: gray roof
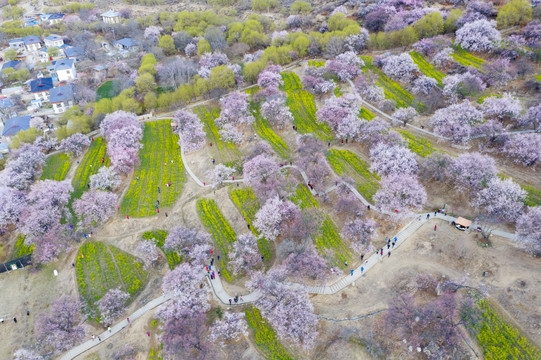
column 10, row 64
column 61, row 93
column 127, row 42
column 73, row 51
column 31, row 39
column 13, row 41
column 63, row 64
column 16, row 124
column 53, row 37
column 110, row 13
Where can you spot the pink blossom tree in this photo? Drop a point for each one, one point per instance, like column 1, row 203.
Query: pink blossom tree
column 456, row 121
column 61, row 327
column 529, row 231
column 123, row 133
column 312, row 160
column 188, row 242
column 105, row 179
column 345, row 66
column 218, row 174
column 480, row 35
column 153, row 32
column 306, row 264
column 524, row 149
column 95, row 207
column 392, row 160
column 184, row 338
column 401, row 67
column 48, row 246
column 502, row 199
column 112, row 305
column 269, row 77
column 374, row 94
column 75, row 144
column 260, row 173
column 501, row 107
column 149, row 252
column 23, row 354
column 13, row 203
column 341, row 114
column 472, row 171
column 317, row 84
column 498, row 72
column 22, row 167
column 273, row 216
column 360, row 232
column 229, row 133
column 462, row 85
column 123, row 159
column 400, row 194
column 424, row 85
column 190, row 130
column 231, row 328
column 276, row 111
column 534, row 117
column 405, row 115
column 245, row 254
column 235, row 109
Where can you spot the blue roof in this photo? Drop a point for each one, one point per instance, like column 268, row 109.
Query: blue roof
column 73, row 51
column 16, row 124
column 31, row 39
column 10, row 64
column 61, row 93
column 55, row 16
column 41, row 84
column 127, row 42
column 63, row 64
column 53, row 37
column 13, row 41
column 5, row 103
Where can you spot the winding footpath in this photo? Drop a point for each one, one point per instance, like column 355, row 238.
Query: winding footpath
column 224, row 297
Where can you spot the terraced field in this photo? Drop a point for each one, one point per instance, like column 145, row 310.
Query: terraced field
column 265, row 337
column 345, row 162
column 463, row 57
column 89, row 165
column 56, row 167
column 161, row 163
column 427, row 68
column 366, row 114
column 159, row 236
column 417, row 144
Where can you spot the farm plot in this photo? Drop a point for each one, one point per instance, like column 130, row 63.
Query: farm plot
column 303, row 198
column 464, row 58
column 348, row 163
column 495, row 336
column 161, row 163
column 427, row 68
column 417, row 144
column 316, row 63
column 392, row 89
column 265, row 131
column 366, row 114
column 291, row 82
column 303, row 108
column 222, row 233
column 224, row 152
column 20, row 249
column 100, row 267
column 265, row 337
column 56, row 167
column 533, row 196
column 248, row 205
column 159, row 236
column 89, row 165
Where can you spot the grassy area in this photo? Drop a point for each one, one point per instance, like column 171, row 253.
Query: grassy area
column 223, row 152
column 463, row 57
column 533, row 197
column 219, row 228
column 329, row 238
column 106, row 90
column 265, row 337
column 100, row 267
column 498, row 339
column 366, row 114
column 419, row 145
column 89, row 165
column 159, row 236
column 337, row 91
column 248, row 205
column 392, row 89
column 427, row 68
column 303, row 108
column 304, row 198
column 20, row 249
column 316, row 63
column 345, row 162
column 160, row 147
column 56, row 167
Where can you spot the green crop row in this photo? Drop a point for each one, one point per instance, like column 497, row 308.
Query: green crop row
column 248, row 205
column 291, row 82
column 419, row 145
column 464, row 58
column 159, row 236
column 392, row 89
column 265, row 131
column 223, row 234
column 329, row 238
column 427, row 68
column 56, row 167
column 347, row 162
column 366, row 114
column 337, row 91
column 20, row 249
column 265, row 337
column 498, row 339
column 99, row 268
column 537, row 77
column 533, row 196
column 304, row 198
column 89, row 165
column 161, row 164
column 316, row 63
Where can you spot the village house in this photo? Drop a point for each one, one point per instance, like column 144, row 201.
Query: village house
column 53, row 40
column 111, row 17
column 32, row 42
column 16, row 44
column 16, row 124
column 40, row 87
column 51, row 19
column 126, row 44
column 61, row 98
column 65, row 69
column 13, row 64
column 74, row 52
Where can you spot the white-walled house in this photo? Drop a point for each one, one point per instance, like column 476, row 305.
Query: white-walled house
column 51, row 18
column 111, row 17
column 32, row 42
column 16, row 44
column 53, row 40
column 61, row 98
column 40, row 87
column 65, row 69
